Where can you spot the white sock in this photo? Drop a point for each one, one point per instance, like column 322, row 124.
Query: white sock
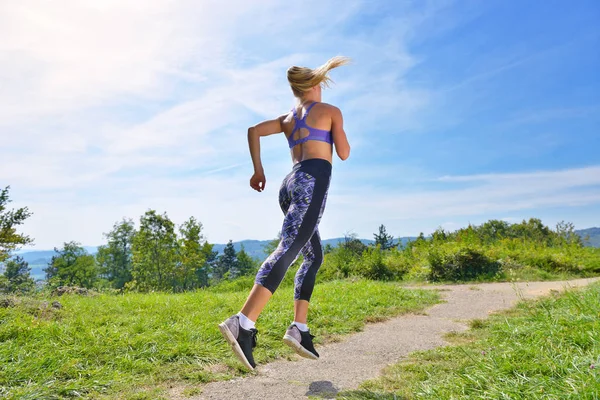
column 301, row 326
column 245, row 322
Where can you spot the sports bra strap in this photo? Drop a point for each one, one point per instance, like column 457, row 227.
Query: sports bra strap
column 305, row 114
column 308, row 109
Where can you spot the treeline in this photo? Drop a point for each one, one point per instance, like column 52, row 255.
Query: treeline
column 495, row 250
column 156, row 257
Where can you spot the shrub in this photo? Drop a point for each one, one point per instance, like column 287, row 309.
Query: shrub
column 463, row 264
column 371, row 265
column 548, row 262
column 337, row 264
column 590, row 258
column 397, row 263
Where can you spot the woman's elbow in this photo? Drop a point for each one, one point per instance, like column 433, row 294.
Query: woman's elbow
column 344, row 154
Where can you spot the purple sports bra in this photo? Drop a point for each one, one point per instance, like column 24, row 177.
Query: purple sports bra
column 313, row 133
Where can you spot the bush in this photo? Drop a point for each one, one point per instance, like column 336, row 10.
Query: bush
column 549, row 263
column 591, row 260
column 337, row 264
column 397, row 263
column 371, row 265
column 463, row 264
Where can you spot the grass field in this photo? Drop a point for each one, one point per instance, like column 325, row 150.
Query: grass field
column 546, row 349
column 131, row 346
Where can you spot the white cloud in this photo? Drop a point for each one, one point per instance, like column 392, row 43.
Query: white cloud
column 110, row 108
column 91, row 87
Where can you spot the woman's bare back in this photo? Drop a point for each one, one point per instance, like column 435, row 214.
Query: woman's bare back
column 319, row 117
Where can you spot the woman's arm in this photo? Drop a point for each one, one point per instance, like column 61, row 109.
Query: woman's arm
column 342, row 147
column 265, row 128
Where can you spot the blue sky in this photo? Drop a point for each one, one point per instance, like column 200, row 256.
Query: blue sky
column 457, row 112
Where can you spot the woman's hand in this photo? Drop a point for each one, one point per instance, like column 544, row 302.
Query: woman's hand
column 258, row 181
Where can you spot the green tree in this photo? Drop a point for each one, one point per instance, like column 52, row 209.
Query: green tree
column 192, row 258
column 210, row 260
column 494, row 230
column 468, row 236
column 439, row 236
column 565, row 232
column 353, row 244
column 227, row 263
column 115, row 258
column 246, row 265
column 420, row 242
column 9, row 238
column 154, row 251
column 17, row 276
column 72, row 266
column 533, row 230
column 382, row 239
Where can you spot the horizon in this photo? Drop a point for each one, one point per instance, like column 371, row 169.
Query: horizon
column 26, row 250
column 456, row 112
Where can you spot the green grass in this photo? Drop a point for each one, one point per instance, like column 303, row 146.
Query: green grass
column 546, row 349
column 133, row 346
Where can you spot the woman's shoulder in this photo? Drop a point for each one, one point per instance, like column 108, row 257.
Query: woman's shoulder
column 327, row 107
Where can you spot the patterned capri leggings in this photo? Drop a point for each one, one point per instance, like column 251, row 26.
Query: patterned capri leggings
column 302, row 198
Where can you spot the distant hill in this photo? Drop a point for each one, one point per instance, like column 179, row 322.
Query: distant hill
column 255, row 248
column 38, row 260
column 592, row 235
column 27, row 254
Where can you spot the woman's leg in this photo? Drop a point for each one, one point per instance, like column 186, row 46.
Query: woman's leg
column 300, row 311
column 259, row 295
column 304, row 284
column 239, row 330
column 257, row 300
column 307, row 197
column 298, row 335
column 306, row 275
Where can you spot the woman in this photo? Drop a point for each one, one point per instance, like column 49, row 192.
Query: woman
column 312, row 129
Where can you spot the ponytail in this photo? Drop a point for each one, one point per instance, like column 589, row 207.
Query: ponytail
column 301, row 79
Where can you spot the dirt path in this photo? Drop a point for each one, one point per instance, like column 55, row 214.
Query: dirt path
column 361, row 356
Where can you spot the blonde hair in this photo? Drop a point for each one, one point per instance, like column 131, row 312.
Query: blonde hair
column 301, row 79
